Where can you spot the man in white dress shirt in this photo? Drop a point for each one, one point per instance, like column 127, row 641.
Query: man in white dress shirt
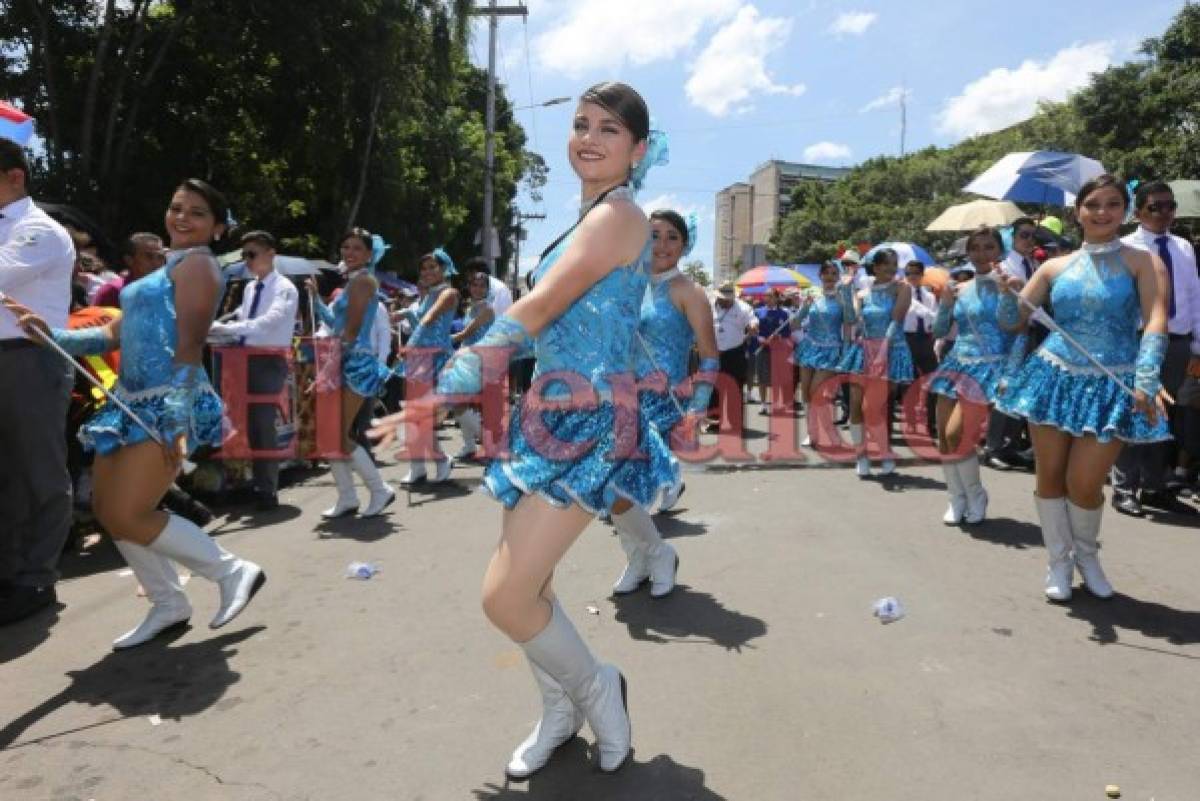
column 266, row 319
column 734, row 322
column 1145, row 467
column 1020, row 262
column 36, row 260
column 918, row 331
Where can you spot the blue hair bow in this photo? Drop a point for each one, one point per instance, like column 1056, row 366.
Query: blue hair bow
column 378, row 248
column 693, row 225
column 443, row 258
column 658, row 153
column 1130, row 189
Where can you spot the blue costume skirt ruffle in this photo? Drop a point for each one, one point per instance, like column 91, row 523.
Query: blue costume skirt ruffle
column 662, row 412
column 978, row 377
column 421, row 369
column 818, row 357
column 900, row 363
column 363, row 373
column 111, row 429
column 1078, row 401
column 594, row 480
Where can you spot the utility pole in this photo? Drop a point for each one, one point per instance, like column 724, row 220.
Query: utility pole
column 521, row 218
column 493, row 12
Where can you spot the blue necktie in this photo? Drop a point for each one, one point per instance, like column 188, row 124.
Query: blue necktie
column 1028, row 269
column 258, row 286
column 1164, row 253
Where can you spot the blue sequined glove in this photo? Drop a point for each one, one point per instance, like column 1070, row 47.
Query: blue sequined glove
column 186, row 382
column 1012, row 365
column 82, row 341
column 892, row 329
column 463, row 374
column 1147, row 371
column 943, row 321
column 1008, row 311
column 324, row 313
column 702, row 390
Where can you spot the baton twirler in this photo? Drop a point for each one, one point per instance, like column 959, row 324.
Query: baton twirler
column 98, row 384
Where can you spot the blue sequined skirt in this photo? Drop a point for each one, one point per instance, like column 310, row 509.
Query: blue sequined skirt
column 900, row 363
column 594, row 479
column 816, row 356
column 421, row 372
column 1077, row 400
column 363, row 373
column 977, row 376
column 661, row 410
column 111, row 429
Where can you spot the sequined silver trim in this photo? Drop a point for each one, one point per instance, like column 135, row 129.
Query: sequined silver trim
column 1082, row 369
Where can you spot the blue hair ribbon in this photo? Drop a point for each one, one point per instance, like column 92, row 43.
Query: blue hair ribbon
column 658, row 153
column 443, row 258
column 1130, row 190
column 378, row 249
column 693, row 225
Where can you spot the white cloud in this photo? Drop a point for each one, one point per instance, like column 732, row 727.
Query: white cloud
column 670, row 200
column 604, row 34
column 888, row 99
column 853, row 23
column 1007, row 96
column 826, row 151
column 732, row 68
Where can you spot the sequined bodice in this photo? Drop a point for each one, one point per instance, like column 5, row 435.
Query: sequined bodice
column 667, row 334
column 593, row 338
column 1095, row 300
column 979, row 334
column 148, row 329
column 877, row 309
column 437, row 333
column 824, row 320
column 472, row 313
column 340, row 308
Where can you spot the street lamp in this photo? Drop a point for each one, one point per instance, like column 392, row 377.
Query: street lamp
column 489, row 255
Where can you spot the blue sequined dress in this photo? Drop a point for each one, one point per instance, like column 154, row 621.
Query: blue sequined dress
column 981, row 349
column 668, row 337
column 617, row 452
column 876, row 313
column 474, row 311
column 434, row 336
column 361, row 369
column 148, row 340
column 1095, row 300
column 820, row 347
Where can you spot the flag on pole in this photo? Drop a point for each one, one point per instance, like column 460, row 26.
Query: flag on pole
column 15, row 124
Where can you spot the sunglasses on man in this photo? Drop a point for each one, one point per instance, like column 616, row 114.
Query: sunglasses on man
column 1158, row 207
column 250, row 255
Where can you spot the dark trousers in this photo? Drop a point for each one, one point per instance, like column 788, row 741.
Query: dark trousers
column 733, row 363
column 35, row 488
column 1145, row 466
column 266, row 375
column 925, row 361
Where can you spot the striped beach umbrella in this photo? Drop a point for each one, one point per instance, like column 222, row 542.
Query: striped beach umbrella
column 15, row 124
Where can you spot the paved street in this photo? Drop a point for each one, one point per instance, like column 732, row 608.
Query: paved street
column 763, row 677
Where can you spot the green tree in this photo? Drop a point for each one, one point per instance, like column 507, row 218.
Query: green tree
column 696, row 270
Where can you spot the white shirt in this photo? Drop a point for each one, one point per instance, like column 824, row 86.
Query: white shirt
column 274, row 321
column 1186, row 281
column 381, row 333
column 37, row 257
column 499, row 295
column 731, row 324
column 862, row 279
column 1014, row 266
column 923, row 307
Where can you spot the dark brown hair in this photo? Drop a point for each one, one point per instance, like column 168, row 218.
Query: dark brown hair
column 623, row 101
column 1100, row 182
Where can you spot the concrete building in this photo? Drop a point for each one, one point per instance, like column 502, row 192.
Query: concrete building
column 747, row 213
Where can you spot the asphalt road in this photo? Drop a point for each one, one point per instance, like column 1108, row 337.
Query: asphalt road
column 764, row 676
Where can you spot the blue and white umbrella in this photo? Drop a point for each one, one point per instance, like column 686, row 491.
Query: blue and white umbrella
column 1043, row 176
column 905, row 252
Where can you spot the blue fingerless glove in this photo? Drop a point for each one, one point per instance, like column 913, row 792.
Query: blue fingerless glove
column 702, row 390
column 82, row 341
column 1012, row 365
column 892, row 329
column 324, row 313
column 1147, row 370
column 1008, row 311
column 943, row 321
column 187, row 380
column 463, row 374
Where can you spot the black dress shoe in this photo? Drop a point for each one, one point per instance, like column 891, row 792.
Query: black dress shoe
column 1128, row 505
column 1168, row 503
column 22, row 602
column 994, row 461
column 266, row 501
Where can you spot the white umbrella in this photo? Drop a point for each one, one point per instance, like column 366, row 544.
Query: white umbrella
column 969, row 216
column 1042, row 176
column 1187, row 195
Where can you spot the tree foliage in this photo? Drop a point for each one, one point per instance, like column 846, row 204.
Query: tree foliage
column 311, row 116
column 696, row 270
column 1140, row 119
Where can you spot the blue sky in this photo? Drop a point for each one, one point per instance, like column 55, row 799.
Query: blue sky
column 738, row 82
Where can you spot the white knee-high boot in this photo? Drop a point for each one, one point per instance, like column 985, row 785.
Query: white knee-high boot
column 862, row 465
column 471, row 426
column 561, row 720
column 958, row 495
column 977, row 497
column 382, row 495
column 661, row 561
column 169, row 607
column 1085, row 533
column 237, row 579
column 347, row 499
column 1056, row 533
column 597, row 689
